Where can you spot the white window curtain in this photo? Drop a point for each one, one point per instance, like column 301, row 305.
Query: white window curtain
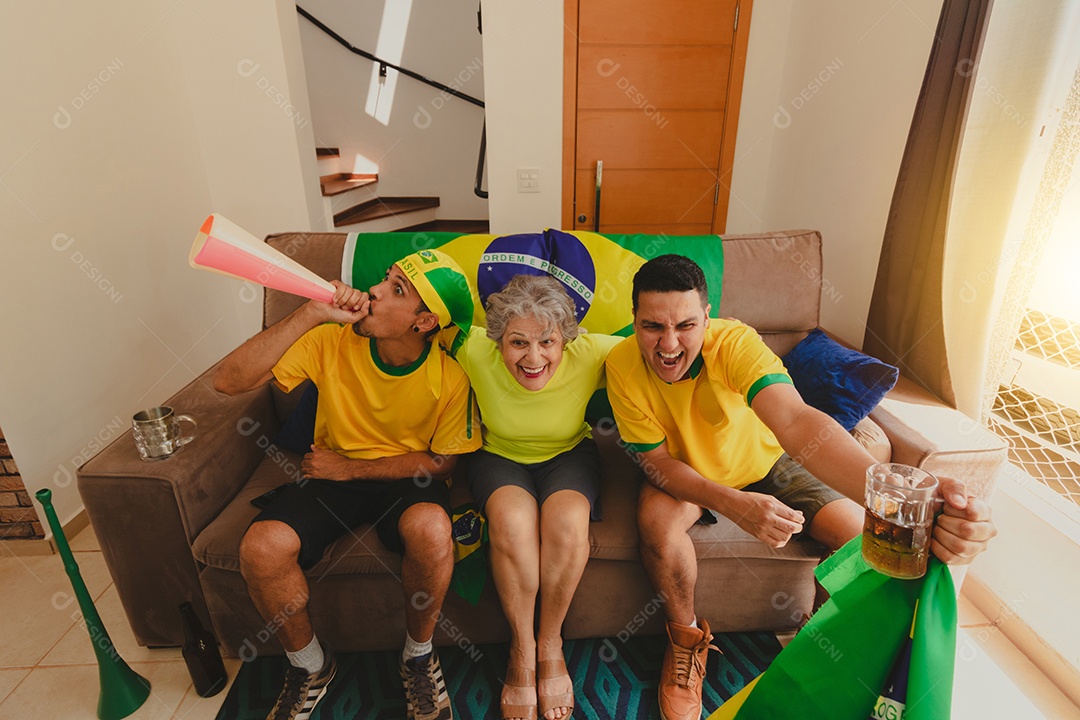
column 1015, row 164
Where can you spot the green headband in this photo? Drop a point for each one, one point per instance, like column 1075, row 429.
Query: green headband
column 442, row 286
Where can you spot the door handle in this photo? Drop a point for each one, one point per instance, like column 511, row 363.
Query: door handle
column 599, row 181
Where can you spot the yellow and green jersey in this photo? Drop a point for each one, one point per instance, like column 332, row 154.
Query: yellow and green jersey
column 706, row 418
column 368, row 409
column 531, row 426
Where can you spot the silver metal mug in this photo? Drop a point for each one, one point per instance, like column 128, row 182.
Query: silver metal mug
column 157, row 432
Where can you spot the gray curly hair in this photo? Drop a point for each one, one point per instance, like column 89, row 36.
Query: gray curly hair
column 539, row 296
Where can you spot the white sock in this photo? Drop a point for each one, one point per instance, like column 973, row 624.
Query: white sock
column 414, row 649
column 310, row 658
column 693, row 624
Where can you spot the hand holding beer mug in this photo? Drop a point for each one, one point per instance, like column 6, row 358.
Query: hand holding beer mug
column 900, row 503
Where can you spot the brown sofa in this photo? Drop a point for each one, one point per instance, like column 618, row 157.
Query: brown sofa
column 170, row 530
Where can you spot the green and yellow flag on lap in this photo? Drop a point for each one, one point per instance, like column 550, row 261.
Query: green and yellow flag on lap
column 838, row 665
column 597, row 271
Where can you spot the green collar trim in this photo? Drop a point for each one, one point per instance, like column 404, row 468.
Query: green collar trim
column 695, row 367
column 398, row 371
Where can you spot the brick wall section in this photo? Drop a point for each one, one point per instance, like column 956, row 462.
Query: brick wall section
column 18, row 517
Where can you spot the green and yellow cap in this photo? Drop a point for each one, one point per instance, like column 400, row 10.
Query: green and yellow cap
column 442, row 286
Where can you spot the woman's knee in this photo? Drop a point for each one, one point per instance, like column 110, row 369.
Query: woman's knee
column 564, row 524
column 512, row 520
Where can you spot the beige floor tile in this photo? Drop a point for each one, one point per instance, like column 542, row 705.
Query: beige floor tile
column 10, row 678
column 994, row 680
column 194, row 707
column 76, row 648
column 71, row 693
column 38, row 605
column 85, row 541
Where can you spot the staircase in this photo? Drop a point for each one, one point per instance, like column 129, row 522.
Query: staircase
column 351, row 200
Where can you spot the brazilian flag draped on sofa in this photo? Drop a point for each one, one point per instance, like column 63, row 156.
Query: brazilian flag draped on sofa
column 596, row 270
column 843, row 662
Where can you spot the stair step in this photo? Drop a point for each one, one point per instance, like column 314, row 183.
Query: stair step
column 327, row 152
column 383, row 207
column 469, row 227
column 344, row 182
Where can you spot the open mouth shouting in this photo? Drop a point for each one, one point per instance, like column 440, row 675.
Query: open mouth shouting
column 670, row 331
column 670, row 360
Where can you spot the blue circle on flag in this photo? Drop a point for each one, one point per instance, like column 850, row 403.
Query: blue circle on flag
column 554, row 253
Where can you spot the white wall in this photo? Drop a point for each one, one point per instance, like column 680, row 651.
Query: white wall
column 247, row 89
column 420, row 140
column 111, row 155
column 523, row 46
column 766, row 55
column 820, row 148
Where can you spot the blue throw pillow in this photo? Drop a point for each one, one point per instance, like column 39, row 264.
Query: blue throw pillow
column 298, row 432
column 838, row 381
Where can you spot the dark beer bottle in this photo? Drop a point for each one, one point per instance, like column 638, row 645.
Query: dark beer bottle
column 201, row 655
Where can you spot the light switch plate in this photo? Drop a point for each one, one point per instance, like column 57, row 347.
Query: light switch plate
column 528, row 180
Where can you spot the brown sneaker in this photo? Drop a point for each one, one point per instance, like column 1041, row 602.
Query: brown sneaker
column 684, row 669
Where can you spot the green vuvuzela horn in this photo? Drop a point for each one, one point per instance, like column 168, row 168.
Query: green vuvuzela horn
column 123, row 691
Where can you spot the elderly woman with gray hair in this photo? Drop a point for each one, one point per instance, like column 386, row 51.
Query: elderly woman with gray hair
column 537, row 478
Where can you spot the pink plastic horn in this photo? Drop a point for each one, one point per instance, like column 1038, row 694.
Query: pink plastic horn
column 226, row 248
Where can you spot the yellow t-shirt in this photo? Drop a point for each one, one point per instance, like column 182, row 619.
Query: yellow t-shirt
column 370, row 410
column 531, row 426
column 705, row 419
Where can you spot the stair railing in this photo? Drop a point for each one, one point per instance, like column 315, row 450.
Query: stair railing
column 383, row 64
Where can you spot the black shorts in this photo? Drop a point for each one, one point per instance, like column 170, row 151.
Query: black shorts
column 576, row 469
column 321, row 511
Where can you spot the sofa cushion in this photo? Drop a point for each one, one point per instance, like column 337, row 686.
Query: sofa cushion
column 318, row 252
column 839, row 381
column 773, row 283
column 870, row 435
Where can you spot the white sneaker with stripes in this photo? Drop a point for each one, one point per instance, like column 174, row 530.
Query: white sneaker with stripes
column 425, row 688
column 302, row 691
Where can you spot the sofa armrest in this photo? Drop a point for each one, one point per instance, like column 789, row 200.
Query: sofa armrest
column 928, row 434
column 146, row 514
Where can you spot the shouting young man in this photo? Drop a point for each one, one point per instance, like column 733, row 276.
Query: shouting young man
column 721, row 429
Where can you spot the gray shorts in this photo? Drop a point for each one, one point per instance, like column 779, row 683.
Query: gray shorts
column 576, row 469
column 792, row 484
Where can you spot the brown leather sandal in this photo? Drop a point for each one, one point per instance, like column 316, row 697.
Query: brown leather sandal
column 518, row 677
column 549, row 670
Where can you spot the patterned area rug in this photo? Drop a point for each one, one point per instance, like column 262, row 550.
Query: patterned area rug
column 612, row 679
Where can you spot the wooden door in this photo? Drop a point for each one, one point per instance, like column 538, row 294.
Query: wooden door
column 652, row 91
